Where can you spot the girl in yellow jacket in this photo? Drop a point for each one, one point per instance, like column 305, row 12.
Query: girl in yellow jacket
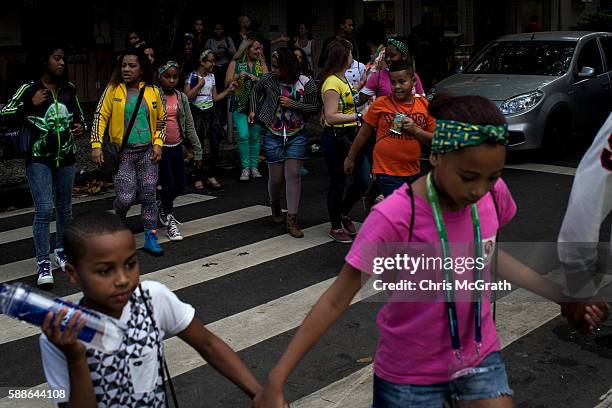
column 138, row 166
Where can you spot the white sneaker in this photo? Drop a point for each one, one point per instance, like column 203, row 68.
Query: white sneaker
column 45, row 276
column 255, row 173
column 173, row 232
column 244, row 176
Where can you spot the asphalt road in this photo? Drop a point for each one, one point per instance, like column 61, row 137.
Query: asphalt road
column 252, row 284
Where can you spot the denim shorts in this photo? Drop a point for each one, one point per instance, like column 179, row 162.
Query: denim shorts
column 278, row 150
column 486, row 381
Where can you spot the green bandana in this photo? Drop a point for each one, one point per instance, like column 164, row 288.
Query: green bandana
column 451, row 135
column 403, row 48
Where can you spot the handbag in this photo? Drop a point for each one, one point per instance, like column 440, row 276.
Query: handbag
column 112, row 151
column 18, row 140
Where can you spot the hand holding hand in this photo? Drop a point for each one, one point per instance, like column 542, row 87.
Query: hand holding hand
column 585, row 316
column 270, row 397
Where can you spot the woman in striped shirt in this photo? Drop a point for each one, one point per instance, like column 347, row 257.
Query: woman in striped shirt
column 281, row 100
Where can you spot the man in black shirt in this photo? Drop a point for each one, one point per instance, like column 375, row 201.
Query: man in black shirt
column 344, row 31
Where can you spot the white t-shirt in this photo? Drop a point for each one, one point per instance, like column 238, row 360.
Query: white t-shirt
column 204, row 99
column 131, row 376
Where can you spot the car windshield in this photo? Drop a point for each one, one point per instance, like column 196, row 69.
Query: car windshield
column 524, row 58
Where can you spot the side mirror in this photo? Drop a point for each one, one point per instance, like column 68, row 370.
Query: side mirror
column 586, row 72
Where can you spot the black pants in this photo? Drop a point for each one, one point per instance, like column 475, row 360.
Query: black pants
column 208, row 128
column 171, row 176
column 335, row 145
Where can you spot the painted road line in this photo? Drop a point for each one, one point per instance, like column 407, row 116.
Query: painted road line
column 26, row 267
column 75, row 201
column 239, row 331
column 544, row 168
column 201, row 270
column 26, row 232
column 518, row 314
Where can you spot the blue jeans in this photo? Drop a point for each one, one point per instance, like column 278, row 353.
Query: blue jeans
column 486, row 381
column 49, row 187
column 388, row 184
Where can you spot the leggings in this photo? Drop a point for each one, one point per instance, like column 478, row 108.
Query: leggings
column 335, row 149
column 171, row 176
column 290, row 171
column 207, row 126
column 137, row 173
column 247, row 140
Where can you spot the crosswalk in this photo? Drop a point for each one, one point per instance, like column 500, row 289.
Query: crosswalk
column 252, row 285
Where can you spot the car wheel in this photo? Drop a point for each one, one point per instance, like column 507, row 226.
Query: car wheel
column 557, row 134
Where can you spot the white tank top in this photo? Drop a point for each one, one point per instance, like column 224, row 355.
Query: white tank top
column 307, row 50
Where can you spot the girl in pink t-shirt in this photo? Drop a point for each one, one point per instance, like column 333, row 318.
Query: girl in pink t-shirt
column 434, row 345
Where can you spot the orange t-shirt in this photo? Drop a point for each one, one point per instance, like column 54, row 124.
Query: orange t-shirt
column 397, row 155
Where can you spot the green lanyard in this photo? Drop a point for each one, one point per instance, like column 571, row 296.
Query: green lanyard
column 451, row 307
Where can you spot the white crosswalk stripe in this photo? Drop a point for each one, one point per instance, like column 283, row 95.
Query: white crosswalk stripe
column 75, row 201
column 23, row 268
column 26, row 232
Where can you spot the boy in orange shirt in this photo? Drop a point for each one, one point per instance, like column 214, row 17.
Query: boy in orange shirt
column 397, row 151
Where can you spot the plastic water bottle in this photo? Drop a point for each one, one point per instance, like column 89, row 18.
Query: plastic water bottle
column 27, row 304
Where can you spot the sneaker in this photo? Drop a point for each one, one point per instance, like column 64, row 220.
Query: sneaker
column 348, row 225
column 379, row 199
column 163, row 217
column 45, row 276
column 244, row 176
column 340, row 235
column 255, row 173
column 151, row 245
column 173, row 232
column 60, row 259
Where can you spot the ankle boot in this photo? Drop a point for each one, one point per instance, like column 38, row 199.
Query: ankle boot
column 292, row 226
column 277, row 212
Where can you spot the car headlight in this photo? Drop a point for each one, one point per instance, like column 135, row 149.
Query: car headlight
column 521, row 103
column 431, row 94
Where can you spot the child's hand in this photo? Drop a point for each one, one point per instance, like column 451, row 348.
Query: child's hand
column 252, row 117
column 270, row 397
column 156, row 154
column 159, row 125
column 65, row 340
column 409, row 125
column 233, row 85
column 349, row 165
column 77, row 129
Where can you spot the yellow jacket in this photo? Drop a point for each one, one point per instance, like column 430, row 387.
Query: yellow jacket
column 110, row 113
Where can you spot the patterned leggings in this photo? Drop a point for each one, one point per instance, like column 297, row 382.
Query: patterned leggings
column 137, row 174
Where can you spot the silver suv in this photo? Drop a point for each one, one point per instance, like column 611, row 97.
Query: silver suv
column 551, row 86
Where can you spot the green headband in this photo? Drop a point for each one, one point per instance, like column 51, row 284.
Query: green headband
column 167, row 66
column 451, row 135
column 402, row 47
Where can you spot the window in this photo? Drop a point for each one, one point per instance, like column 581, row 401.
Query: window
column 606, row 43
column 590, row 57
column 524, row 58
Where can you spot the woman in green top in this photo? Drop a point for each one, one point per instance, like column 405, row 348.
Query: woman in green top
column 246, row 68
